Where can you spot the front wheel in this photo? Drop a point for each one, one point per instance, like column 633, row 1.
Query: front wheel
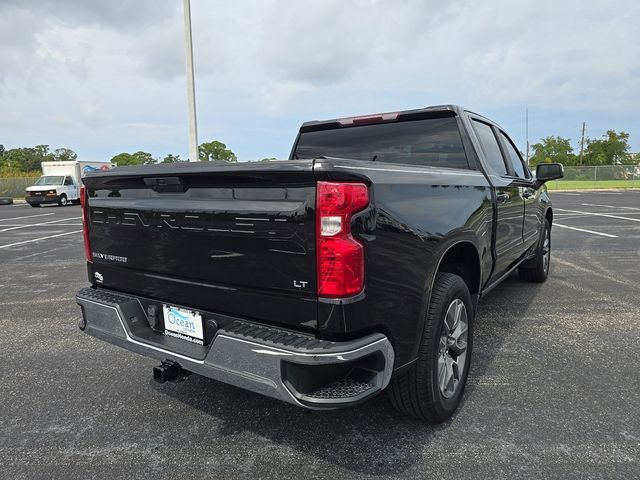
column 62, row 201
column 537, row 269
column 432, row 388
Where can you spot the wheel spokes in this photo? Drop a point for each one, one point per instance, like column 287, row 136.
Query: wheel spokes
column 447, row 377
column 442, row 372
column 452, row 318
column 452, row 348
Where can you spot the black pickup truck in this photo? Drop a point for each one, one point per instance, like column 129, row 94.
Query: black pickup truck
column 353, row 267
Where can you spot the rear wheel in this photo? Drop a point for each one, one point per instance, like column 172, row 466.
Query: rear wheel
column 62, row 201
column 432, row 388
column 537, row 269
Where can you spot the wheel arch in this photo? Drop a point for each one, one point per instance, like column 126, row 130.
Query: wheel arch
column 461, row 258
column 454, row 254
column 549, row 216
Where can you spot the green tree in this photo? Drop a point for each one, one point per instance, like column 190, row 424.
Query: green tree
column 124, row 158
column 215, row 150
column 611, row 149
column 2, row 150
column 43, row 151
column 64, row 154
column 29, row 159
column 26, row 159
column 553, row 149
column 145, row 158
column 138, row 158
column 171, row 158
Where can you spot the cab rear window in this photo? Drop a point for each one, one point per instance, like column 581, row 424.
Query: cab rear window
column 433, row 142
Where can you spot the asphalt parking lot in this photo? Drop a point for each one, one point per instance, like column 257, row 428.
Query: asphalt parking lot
column 554, row 391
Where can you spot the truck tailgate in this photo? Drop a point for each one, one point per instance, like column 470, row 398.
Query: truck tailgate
column 234, row 239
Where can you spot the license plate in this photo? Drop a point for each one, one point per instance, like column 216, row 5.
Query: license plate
column 183, row 323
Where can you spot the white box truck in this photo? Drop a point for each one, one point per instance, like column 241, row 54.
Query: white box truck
column 60, row 182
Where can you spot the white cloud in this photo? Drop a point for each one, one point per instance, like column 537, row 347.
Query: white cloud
column 108, row 76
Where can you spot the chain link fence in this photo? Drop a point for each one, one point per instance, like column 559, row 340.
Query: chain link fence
column 605, row 176
column 15, row 187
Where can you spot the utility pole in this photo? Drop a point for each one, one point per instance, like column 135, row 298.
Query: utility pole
column 584, row 124
column 527, row 132
column 191, row 87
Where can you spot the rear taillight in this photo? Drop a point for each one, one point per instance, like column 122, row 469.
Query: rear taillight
column 340, row 257
column 85, row 223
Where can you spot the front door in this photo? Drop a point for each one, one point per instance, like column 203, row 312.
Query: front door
column 71, row 188
column 522, row 176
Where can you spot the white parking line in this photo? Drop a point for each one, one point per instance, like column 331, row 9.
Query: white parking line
column 38, row 239
column 65, row 225
column 607, row 212
column 27, row 216
column 566, row 193
column 592, row 272
column 609, row 206
column 40, row 224
column 582, row 230
column 76, row 224
column 600, row 215
column 566, row 216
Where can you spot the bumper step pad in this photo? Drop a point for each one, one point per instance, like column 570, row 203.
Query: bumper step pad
column 343, row 388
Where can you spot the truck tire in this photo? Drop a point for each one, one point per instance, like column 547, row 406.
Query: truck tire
column 62, row 200
column 537, row 269
column 432, row 388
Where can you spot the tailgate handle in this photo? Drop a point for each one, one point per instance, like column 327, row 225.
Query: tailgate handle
column 165, row 184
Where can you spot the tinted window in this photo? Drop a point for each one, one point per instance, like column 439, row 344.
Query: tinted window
column 433, row 141
column 68, row 181
column 513, row 154
column 490, row 147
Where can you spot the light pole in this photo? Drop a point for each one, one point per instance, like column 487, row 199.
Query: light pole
column 527, row 132
column 191, row 88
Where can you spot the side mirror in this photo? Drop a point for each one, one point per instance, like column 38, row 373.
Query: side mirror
column 548, row 171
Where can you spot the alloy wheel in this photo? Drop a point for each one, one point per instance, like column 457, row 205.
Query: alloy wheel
column 452, row 348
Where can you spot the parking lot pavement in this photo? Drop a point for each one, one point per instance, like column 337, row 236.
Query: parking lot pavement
column 554, row 391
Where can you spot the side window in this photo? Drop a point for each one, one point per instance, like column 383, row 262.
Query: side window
column 68, row 181
column 491, row 148
column 513, row 154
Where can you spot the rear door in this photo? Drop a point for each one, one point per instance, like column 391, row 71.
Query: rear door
column 509, row 201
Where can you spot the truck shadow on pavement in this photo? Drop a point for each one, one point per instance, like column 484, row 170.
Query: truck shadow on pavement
column 371, row 438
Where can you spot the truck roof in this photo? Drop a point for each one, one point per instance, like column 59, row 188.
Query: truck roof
column 447, row 110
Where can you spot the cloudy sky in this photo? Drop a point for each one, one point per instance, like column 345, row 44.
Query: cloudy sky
column 103, row 77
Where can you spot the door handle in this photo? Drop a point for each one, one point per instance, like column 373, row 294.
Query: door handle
column 502, row 197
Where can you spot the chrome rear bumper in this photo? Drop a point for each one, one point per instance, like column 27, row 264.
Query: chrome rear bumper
column 279, row 363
